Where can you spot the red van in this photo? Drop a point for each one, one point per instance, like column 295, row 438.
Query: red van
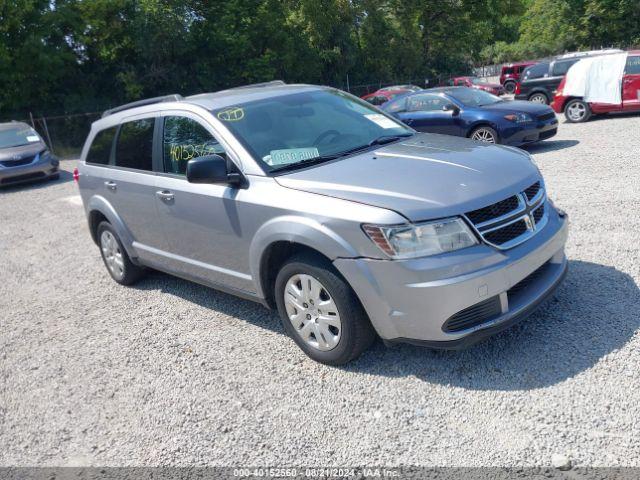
column 576, row 110
column 510, row 75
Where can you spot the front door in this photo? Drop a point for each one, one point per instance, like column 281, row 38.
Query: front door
column 201, row 222
column 425, row 112
column 631, row 84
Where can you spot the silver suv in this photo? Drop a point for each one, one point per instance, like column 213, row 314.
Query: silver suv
column 311, row 201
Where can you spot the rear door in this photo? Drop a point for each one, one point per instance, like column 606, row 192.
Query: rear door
column 631, row 84
column 128, row 183
column 425, row 113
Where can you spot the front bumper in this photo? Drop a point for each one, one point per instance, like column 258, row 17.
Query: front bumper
column 531, row 133
column 39, row 169
column 412, row 300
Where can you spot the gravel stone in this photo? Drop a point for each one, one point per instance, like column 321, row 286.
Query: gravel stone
column 168, row 372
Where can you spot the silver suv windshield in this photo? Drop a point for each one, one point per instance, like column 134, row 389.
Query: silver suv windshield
column 294, row 130
column 17, row 136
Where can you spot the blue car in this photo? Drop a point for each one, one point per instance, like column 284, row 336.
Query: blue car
column 468, row 112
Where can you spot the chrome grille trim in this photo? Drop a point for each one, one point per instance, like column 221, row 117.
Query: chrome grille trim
column 525, row 212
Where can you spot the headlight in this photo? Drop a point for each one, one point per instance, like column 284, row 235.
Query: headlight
column 422, row 239
column 519, row 117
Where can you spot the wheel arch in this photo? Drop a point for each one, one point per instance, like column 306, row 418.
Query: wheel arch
column 284, row 237
column 98, row 210
column 483, row 123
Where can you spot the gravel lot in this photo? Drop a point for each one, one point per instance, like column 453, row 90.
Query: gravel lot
column 169, row 372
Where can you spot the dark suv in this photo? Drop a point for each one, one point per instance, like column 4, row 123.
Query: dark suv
column 540, row 82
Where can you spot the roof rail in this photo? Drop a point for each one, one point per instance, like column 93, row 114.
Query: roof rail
column 140, row 103
column 272, row 83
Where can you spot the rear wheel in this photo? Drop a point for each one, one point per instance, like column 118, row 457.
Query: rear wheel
column 539, row 98
column 320, row 311
column 115, row 257
column 510, row 87
column 484, row 134
column 577, row 111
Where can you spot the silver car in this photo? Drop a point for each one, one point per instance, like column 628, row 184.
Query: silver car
column 312, row 201
column 24, row 156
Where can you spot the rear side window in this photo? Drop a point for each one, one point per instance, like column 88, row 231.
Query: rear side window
column 561, row 68
column 135, row 145
column 184, row 139
column 536, row 71
column 633, row 66
column 100, row 150
column 507, row 70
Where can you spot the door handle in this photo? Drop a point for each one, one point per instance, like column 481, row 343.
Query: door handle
column 111, row 185
column 165, row 195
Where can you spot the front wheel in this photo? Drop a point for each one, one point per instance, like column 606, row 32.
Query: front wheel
column 577, row 111
column 484, row 134
column 320, row 311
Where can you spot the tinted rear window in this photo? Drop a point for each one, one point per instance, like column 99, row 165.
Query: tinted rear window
column 633, row 66
column 536, row 71
column 561, row 68
column 100, row 150
column 135, row 145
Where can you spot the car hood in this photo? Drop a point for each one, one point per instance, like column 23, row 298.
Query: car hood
column 425, row 177
column 519, row 106
column 20, row 152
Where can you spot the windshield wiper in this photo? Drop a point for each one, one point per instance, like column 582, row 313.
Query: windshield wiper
column 383, row 139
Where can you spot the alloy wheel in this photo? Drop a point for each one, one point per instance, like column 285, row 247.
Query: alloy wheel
column 112, row 254
column 538, row 98
column 576, row 111
column 312, row 312
column 483, row 135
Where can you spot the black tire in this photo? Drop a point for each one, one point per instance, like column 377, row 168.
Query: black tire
column 577, row 111
column 485, row 130
column 130, row 273
column 510, row 87
column 544, row 100
column 356, row 335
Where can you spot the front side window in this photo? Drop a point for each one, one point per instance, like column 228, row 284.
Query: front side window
column 100, row 150
column 425, row 103
column 17, row 136
column 295, row 128
column 472, row 97
column 184, row 139
column 633, row 66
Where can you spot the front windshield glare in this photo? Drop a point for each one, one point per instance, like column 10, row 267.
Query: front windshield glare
column 293, row 129
column 18, row 136
column 470, row 97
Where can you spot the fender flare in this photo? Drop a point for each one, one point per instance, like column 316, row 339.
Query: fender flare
column 98, row 203
column 295, row 229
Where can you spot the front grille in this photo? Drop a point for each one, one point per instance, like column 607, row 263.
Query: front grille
column 527, row 282
column 496, row 210
column 538, row 214
column 532, row 191
column 506, row 234
column 546, row 116
column 17, row 163
column 511, row 221
column 473, row 315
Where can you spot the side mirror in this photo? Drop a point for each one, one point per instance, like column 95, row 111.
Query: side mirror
column 450, row 107
column 211, row 169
